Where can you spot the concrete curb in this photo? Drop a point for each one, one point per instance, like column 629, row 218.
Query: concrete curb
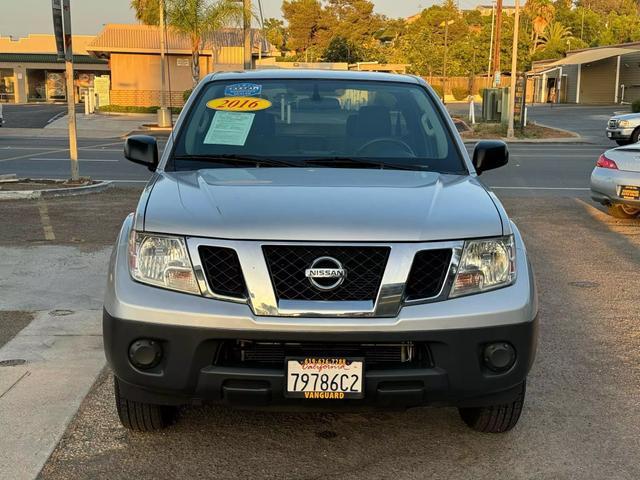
column 575, row 137
column 54, row 192
column 532, row 140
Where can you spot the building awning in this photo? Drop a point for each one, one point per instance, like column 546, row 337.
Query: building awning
column 591, row 55
column 136, row 38
column 48, row 58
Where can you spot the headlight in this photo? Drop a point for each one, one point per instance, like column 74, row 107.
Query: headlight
column 485, row 265
column 624, row 123
column 161, row 260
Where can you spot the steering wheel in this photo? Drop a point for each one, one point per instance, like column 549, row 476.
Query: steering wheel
column 408, row 151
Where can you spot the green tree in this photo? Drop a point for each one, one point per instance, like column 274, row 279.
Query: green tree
column 276, row 33
column 197, row 19
column 305, row 19
column 540, row 14
column 342, row 50
column 555, row 41
column 147, row 11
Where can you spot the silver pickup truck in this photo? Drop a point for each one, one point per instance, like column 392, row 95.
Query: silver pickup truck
column 318, row 240
column 624, row 129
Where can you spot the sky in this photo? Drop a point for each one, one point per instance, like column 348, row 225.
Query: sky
column 20, row 17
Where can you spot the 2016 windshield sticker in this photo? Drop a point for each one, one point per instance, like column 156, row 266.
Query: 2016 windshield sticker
column 242, row 90
column 239, row 104
column 229, row 128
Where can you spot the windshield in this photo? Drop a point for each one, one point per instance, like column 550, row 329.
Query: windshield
column 312, row 122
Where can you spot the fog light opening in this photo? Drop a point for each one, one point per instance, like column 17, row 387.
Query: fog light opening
column 145, row 353
column 499, row 356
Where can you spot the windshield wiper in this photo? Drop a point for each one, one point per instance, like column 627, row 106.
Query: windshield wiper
column 232, row 158
column 342, row 162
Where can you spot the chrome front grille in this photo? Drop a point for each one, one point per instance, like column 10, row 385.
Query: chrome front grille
column 613, row 123
column 288, row 264
column 271, row 277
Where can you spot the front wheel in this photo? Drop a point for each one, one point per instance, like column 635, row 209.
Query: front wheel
column 140, row 416
column 495, row 418
column 623, row 211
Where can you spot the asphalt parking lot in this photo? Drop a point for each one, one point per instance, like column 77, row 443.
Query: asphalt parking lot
column 581, row 420
column 33, row 115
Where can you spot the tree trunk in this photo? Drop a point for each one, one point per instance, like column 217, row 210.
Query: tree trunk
column 195, row 60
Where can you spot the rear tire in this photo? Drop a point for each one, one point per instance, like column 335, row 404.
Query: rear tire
column 140, row 416
column 622, row 211
column 495, row 418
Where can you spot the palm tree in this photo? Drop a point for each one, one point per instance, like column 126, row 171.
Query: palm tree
column 196, row 19
column 555, row 37
column 541, row 13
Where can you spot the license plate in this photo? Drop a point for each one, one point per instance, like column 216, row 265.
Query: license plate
column 609, row 134
column 630, row 192
column 324, row 378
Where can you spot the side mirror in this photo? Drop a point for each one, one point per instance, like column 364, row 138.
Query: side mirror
column 142, row 149
column 490, row 154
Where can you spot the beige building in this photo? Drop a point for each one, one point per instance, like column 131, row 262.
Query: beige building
column 133, row 52
column 31, row 72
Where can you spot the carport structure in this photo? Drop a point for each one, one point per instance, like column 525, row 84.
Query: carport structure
column 600, row 75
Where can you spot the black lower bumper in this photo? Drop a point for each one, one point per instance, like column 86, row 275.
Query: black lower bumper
column 188, row 373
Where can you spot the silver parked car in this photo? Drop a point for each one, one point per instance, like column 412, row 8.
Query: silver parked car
column 615, row 181
column 624, row 129
column 315, row 239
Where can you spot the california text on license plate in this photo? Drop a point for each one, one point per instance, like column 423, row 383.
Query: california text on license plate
column 630, row 192
column 324, row 378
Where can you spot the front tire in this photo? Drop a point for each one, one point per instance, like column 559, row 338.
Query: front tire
column 495, row 418
column 140, row 416
column 622, row 211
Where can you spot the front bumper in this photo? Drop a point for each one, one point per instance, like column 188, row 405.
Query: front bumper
column 191, row 328
column 619, row 133
column 188, row 373
column 606, row 183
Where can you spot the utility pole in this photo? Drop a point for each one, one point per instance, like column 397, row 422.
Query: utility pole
column 71, row 96
column 446, row 24
column 164, row 114
column 514, row 70
column 496, row 45
column 493, row 23
column 246, row 6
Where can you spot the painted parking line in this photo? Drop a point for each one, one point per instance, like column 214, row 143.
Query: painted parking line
column 56, row 116
column 539, row 188
column 83, row 160
column 57, row 150
column 46, row 221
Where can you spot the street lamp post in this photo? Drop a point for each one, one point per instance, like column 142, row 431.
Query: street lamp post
column 514, row 69
column 164, row 114
column 446, row 24
column 246, row 6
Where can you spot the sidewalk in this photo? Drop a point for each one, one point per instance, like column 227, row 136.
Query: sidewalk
column 88, row 126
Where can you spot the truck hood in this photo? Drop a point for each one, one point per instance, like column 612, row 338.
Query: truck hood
column 321, row 204
column 626, row 116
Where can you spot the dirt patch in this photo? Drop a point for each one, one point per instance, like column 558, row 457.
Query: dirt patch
column 29, row 184
column 11, row 323
column 499, row 131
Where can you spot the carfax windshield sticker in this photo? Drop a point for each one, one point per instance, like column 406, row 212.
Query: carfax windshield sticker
column 239, row 104
column 242, row 90
column 229, row 128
